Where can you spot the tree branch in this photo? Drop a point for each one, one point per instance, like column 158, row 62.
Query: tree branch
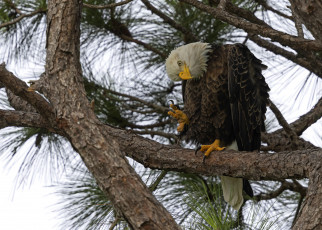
column 21, row 17
column 145, row 45
column 281, row 120
column 108, row 6
column 278, row 140
column 190, row 37
column 267, row 7
column 25, row 119
column 285, row 185
column 19, row 104
column 20, row 88
column 312, row 65
column 306, row 120
column 133, row 98
column 285, row 39
column 250, row 165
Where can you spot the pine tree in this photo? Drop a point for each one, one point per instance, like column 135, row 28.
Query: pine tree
column 100, row 72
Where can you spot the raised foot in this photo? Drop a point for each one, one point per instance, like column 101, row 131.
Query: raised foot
column 209, row 148
column 180, row 116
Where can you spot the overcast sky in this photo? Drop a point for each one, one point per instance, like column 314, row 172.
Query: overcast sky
column 27, row 208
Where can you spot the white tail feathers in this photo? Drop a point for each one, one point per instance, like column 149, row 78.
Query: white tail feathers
column 233, row 187
column 233, row 191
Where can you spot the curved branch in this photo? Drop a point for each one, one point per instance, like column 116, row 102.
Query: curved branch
column 285, row 185
column 14, row 21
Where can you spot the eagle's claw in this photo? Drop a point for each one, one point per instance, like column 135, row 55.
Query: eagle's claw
column 197, row 149
column 180, row 116
column 209, row 148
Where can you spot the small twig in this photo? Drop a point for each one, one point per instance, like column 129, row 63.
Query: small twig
column 145, row 45
column 21, row 17
column 170, row 21
column 295, row 187
column 298, row 209
column 108, row 6
column 115, row 222
column 267, row 7
column 281, row 120
column 13, row 6
column 150, row 104
column 297, row 22
column 156, row 183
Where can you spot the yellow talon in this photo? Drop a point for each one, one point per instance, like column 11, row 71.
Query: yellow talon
column 213, row 147
column 185, row 74
column 180, row 116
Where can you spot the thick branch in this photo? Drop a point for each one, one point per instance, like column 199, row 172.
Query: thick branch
column 285, row 39
column 20, row 88
column 311, row 14
column 250, row 165
column 100, row 153
column 25, row 119
column 19, row 104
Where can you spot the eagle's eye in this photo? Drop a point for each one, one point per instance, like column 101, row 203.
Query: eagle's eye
column 180, row 63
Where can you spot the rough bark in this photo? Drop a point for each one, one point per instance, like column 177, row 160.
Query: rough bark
column 310, row 215
column 310, row 10
column 103, row 148
column 99, row 152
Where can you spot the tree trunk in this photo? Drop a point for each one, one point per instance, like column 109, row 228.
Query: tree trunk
column 99, row 152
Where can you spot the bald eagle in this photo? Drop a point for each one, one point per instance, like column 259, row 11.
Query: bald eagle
column 225, row 97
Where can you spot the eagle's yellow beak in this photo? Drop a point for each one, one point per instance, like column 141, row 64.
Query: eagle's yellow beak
column 185, row 74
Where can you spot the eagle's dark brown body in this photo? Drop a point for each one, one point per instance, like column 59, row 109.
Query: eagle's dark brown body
column 229, row 101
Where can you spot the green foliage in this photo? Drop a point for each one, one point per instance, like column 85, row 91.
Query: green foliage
column 106, row 105
column 35, row 153
column 131, row 44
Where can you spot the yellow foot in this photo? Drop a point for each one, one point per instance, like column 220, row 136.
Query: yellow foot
column 180, row 116
column 209, row 148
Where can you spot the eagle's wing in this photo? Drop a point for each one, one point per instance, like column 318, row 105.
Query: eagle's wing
column 248, row 93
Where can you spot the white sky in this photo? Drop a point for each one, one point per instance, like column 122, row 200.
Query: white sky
column 27, row 208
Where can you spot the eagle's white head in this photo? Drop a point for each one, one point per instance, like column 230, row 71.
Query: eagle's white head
column 188, row 61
